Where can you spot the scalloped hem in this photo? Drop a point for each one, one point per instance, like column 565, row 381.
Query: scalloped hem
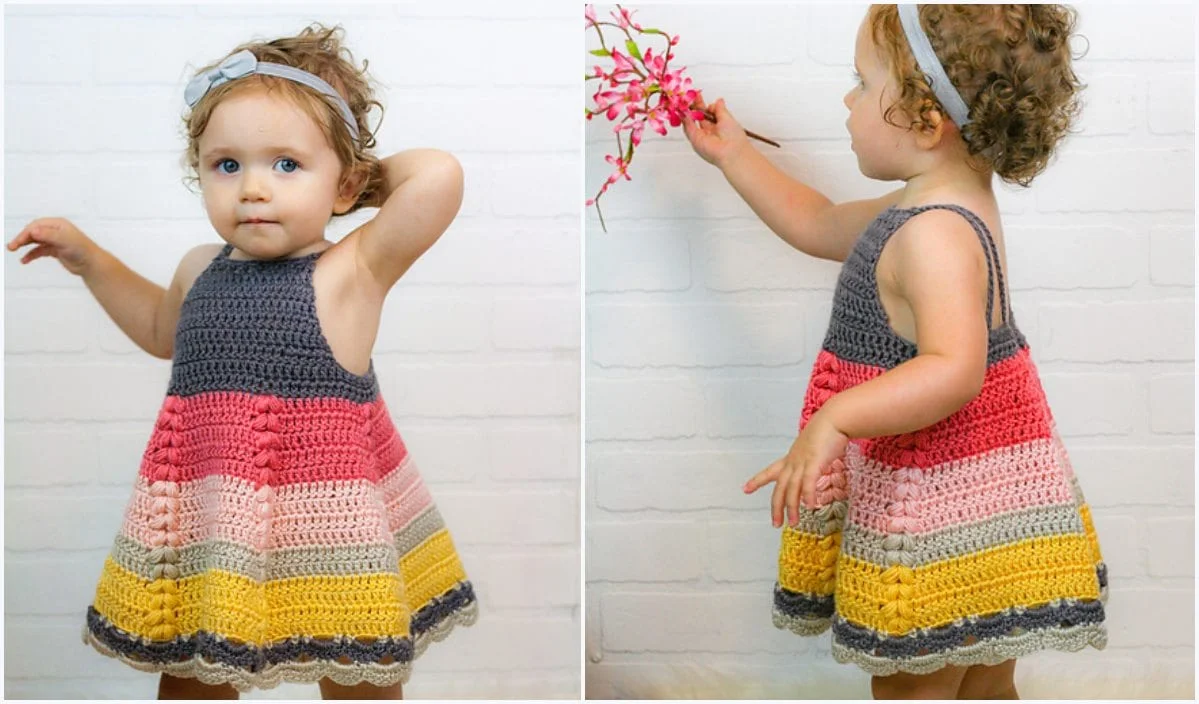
column 309, row 672
column 988, row 652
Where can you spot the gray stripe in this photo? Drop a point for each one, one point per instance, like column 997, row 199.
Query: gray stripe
column 858, row 329
column 916, row 550
column 251, row 326
column 418, row 531
column 239, row 559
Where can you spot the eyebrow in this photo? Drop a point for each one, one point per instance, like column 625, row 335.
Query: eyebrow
column 272, row 149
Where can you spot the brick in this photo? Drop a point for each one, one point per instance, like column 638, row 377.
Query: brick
column 645, row 551
column 1169, row 25
column 1094, row 404
column 695, row 335
column 1108, row 476
column 1151, row 616
column 627, row 260
column 1172, row 256
column 1170, row 544
column 119, row 454
column 829, row 31
column 1124, row 332
column 666, row 408
column 536, row 186
column 521, row 256
column 49, row 457
column 28, row 58
column 548, row 642
column 1171, row 169
column 542, row 119
column 66, row 583
column 1172, row 404
column 541, row 323
column 446, row 455
column 432, row 324
column 754, row 407
column 45, row 322
column 1171, row 106
column 546, row 517
column 52, row 391
column 528, row 581
column 1115, row 105
column 1075, row 257
column 1120, row 543
column 756, row 259
column 534, row 452
column 483, row 390
column 744, row 551
column 666, row 480
column 93, row 523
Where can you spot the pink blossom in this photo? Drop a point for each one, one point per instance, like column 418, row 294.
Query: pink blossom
column 625, row 18
column 589, row 11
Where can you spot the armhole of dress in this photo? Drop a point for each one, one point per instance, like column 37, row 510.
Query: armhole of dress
column 990, row 253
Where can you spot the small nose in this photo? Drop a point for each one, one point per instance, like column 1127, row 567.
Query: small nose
column 253, row 186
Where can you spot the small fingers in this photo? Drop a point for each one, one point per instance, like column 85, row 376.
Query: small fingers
column 777, row 499
column 809, row 489
column 37, row 252
column 794, row 484
column 761, row 478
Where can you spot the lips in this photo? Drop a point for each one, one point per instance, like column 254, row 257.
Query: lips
column 257, row 221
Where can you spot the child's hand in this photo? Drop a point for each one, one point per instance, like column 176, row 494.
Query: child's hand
column 58, row 238
column 715, row 141
column 818, row 445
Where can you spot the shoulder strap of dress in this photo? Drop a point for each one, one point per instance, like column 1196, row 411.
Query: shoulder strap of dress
column 990, row 251
column 224, row 253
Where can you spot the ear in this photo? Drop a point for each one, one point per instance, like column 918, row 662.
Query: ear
column 347, row 195
column 929, row 137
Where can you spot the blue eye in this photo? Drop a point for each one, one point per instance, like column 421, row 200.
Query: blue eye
column 222, row 162
column 287, row 165
column 857, row 77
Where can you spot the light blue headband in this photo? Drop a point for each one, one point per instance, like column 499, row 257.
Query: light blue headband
column 244, row 63
column 926, row 58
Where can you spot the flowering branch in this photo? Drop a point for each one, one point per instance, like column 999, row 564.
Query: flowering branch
column 642, row 86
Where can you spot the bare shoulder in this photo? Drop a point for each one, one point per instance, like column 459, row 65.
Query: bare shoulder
column 194, row 262
column 840, row 225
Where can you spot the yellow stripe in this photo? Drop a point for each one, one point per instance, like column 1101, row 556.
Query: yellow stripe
column 237, row 607
column 431, row 569
column 1092, row 538
column 1029, row 572
column 807, row 562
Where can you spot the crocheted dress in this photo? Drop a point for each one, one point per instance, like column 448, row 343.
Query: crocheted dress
column 278, row 529
column 967, row 542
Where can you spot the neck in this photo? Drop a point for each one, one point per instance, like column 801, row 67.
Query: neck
column 947, row 175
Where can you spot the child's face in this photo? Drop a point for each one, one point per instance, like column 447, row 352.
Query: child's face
column 263, row 158
column 879, row 145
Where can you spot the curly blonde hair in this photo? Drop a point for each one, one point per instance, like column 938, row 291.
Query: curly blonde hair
column 318, row 50
column 1012, row 66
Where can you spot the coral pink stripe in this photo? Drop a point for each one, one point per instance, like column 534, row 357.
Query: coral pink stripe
column 958, row 492
column 275, row 440
column 998, row 417
column 221, row 507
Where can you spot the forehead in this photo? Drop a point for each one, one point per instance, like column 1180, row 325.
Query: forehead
column 256, row 117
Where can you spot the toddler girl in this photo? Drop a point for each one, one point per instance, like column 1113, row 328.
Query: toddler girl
column 933, row 520
column 278, row 528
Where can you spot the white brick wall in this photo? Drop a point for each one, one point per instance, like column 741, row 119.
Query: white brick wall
column 478, row 352
column 702, row 327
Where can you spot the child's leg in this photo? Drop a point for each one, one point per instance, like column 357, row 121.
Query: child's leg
column 942, row 684
column 363, row 690
column 171, row 687
column 990, row 682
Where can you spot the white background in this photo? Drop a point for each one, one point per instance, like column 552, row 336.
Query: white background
column 477, row 354
column 702, row 327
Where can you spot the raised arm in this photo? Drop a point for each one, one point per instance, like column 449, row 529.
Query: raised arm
column 422, row 195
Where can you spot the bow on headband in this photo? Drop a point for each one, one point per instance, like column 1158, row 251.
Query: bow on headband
column 244, row 63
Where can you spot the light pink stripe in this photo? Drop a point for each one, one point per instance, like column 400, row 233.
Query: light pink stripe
column 406, row 495
column 1010, row 479
column 222, row 507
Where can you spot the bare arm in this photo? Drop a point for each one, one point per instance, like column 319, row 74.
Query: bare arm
column 800, row 215
column 422, row 195
column 942, row 275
